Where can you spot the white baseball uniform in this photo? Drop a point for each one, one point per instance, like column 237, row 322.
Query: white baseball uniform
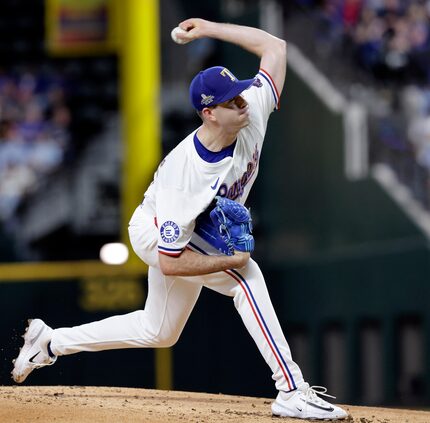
column 171, row 219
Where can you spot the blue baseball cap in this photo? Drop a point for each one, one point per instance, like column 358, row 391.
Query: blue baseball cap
column 215, row 85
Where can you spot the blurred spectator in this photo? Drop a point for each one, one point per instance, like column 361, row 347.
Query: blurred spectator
column 417, row 103
column 351, row 13
column 16, row 180
column 31, row 126
column 368, row 39
column 390, row 41
column 419, row 134
column 34, row 134
column 330, row 29
column 390, row 38
column 58, row 125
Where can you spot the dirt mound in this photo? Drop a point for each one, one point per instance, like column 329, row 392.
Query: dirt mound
column 23, row 404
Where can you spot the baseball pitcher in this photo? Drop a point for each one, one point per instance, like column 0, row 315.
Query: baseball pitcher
column 193, row 230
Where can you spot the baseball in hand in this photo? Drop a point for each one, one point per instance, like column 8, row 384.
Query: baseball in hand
column 175, row 37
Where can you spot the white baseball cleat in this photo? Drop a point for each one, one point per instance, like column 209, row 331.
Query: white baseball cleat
column 305, row 403
column 34, row 353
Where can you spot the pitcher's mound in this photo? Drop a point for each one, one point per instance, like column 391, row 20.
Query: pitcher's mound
column 23, row 404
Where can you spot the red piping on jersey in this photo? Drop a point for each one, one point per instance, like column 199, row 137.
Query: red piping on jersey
column 170, row 254
column 274, row 86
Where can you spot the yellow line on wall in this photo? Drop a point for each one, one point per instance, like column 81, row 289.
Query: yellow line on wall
column 26, row 272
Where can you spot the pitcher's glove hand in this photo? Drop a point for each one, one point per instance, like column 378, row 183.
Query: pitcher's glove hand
column 233, row 222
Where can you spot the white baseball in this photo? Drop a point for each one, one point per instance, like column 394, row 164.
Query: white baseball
column 174, row 36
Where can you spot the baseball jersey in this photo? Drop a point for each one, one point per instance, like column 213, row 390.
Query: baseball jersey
column 188, row 179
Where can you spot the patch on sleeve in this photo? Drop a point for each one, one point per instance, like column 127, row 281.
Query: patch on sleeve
column 266, row 76
column 257, row 83
column 169, row 232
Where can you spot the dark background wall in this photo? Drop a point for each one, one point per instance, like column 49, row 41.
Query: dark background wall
column 347, row 271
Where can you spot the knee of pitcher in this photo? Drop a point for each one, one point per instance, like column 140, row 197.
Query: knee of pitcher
column 167, row 341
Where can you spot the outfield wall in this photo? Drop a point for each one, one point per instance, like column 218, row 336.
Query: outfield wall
column 348, row 268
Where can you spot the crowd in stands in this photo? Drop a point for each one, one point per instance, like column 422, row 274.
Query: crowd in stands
column 390, row 41
column 34, row 133
column 389, row 38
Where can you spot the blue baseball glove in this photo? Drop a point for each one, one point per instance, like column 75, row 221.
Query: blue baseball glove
column 233, row 222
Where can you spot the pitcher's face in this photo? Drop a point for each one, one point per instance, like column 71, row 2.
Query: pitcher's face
column 232, row 114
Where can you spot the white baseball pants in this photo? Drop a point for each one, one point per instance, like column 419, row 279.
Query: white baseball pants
column 169, row 303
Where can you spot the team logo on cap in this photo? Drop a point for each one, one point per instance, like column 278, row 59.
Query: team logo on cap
column 207, row 99
column 226, row 72
column 169, row 232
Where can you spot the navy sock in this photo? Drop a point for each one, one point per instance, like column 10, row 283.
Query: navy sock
column 51, row 354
